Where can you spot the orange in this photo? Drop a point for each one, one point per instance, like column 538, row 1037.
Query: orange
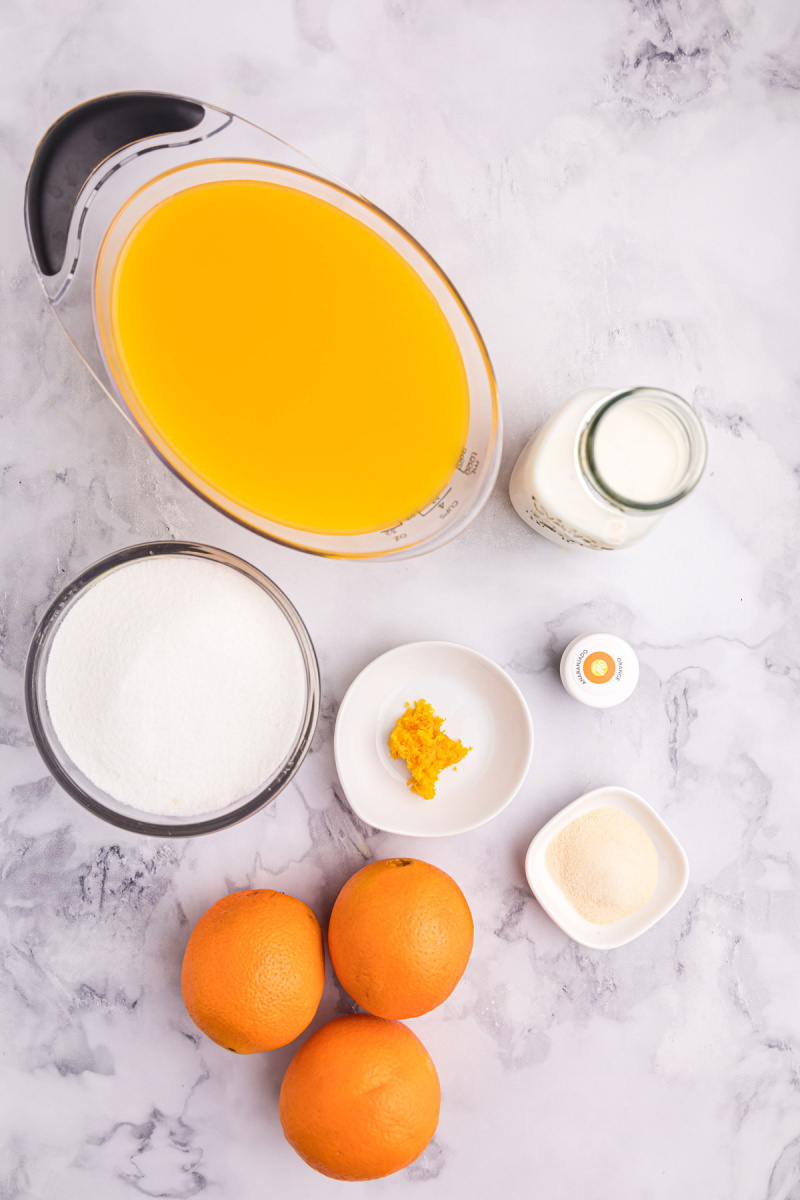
column 400, row 937
column 360, row 1098
column 254, row 970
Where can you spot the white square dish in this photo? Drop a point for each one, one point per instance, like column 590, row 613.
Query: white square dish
column 673, row 871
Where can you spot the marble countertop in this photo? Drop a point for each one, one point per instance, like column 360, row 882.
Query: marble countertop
column 614, row 186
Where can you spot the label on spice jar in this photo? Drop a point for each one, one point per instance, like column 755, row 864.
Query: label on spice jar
column 599, row 669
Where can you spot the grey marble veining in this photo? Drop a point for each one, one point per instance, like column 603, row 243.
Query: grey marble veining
column 613, row 185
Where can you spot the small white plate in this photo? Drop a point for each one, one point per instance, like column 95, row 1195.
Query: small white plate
column 673, row 871
column 479, row 704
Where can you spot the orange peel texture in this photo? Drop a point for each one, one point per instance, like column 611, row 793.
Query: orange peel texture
column 418, row 739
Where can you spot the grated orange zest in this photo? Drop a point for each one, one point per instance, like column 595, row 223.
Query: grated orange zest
column 418, row 739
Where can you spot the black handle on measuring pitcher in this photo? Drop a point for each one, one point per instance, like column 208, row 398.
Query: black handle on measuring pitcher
column 76, row 144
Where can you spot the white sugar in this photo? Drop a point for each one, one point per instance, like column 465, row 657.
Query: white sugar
column 176, row 685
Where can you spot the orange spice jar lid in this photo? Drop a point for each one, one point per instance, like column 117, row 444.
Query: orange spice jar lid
column 599, row 669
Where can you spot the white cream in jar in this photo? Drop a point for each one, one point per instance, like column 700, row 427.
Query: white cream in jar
column 607, row 465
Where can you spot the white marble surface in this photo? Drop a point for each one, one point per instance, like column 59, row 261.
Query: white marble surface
column 614, row 186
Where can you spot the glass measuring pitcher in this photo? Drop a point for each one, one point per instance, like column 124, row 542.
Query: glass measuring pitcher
column 105, row 167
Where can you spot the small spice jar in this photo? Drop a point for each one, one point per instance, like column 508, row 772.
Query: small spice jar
column 599, row 669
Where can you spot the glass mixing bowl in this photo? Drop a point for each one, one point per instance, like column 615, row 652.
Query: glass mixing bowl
column 101, row 167
column 72, row 779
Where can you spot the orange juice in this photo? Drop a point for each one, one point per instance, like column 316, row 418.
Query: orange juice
column 289, row 357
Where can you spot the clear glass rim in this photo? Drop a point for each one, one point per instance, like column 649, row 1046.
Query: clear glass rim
column 36, row 662
column 695, row 437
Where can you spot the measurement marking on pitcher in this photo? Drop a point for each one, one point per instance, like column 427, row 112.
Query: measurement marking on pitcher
column 471, row 466
column 395, row 533
column 437, row 503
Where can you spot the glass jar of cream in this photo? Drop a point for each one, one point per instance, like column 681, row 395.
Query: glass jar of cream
column 606, row 466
